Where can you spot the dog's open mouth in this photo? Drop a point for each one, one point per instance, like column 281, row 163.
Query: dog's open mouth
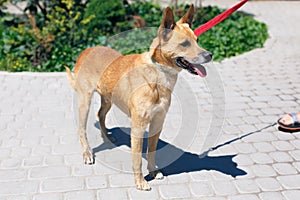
column 196, row 69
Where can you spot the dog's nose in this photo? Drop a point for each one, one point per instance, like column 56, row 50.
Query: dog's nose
column 207, row 56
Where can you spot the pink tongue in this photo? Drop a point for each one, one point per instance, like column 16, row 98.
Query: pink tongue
column 199, row 72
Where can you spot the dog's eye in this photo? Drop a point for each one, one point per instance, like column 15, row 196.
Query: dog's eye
column 185, row 43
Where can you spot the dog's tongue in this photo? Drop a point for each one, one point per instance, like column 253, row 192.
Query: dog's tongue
column 200, row 70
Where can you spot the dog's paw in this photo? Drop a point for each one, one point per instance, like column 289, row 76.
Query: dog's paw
column 156, row 175
column 143, row 185
column 88, row 157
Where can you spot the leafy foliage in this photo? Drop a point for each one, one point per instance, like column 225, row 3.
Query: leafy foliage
column 51, row 34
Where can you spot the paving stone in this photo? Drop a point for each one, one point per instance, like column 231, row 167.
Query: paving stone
column 201, row 189
column 33, row 161
column 283, row 145
column 96, row 182
column 54, row 160
column 23, row 187
column 243, row 159
column 11, row 163
column 245, row 186
column 243, row 197
column 290, row 181
column 264, row 147
column 82, row 170
column 48, row 196
column 244, row 148
column 178, row 178
column 295, row 154
column 223, row 188
column 112, row 193
column 176, row 191
column 263, row 170
column 270, row 195
column 90, row 195
column 49, row 172
column 261, row 158
column 121, row 180
column 284, row 168
column 281, row 156
column 137, row 194
column 268, row 184
column 291, row 194
column 296, row 143
column 62, row 184
column 13, row 175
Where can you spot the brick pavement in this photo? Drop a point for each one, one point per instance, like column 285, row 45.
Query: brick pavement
column 40, row 154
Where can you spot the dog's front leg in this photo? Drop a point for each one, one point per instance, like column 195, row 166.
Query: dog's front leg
column 137, row 134
column 155, row 129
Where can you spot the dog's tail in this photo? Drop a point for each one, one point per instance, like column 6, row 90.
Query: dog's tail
column 70, row 77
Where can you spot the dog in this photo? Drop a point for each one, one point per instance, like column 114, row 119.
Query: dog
column 140, row 85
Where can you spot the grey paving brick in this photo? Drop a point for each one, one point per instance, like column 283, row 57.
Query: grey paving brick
column 290, row 181
column 48, row 196
column 178, row 178
column 295, row 154
column 62, row 184
column 62, row 149
column 283, row 145
column 23, row 187
column 11, row 163
column 244, row 148
column 264, row 147
column 121, row 180
column 270, row 195
column 281, row 156
column 13, row 174
column 263, row 170
column 297, row 165
column 96, row 182
column 246, row 186
column 201, row 189
column 224, row 188
column 137, row 194
column 49, row 172
column 284, row 168
column 268, row 184
column 33, row 161
column 242, row 197
column 243, row 159
column 291, row 194
column 90, row 195
column 261, row 158
column 112, row 193
column 82, row 170
column 174, row 191
column 41, row 150
column 296, row 143
column 54, row 160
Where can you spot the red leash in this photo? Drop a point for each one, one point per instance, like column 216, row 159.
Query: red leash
column 198, row 31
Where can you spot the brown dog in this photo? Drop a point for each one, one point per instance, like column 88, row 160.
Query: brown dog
column 139, row 84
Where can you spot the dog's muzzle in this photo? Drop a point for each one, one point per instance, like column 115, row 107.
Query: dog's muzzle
column 194, row 68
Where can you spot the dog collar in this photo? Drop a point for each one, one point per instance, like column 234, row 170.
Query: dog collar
column 162, row 68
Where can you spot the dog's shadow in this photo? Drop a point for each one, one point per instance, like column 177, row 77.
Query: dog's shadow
column 172, row 160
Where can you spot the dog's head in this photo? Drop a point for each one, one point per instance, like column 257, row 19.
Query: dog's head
column 176, row 44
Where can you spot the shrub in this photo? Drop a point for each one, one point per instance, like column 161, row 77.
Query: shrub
column 48, row 40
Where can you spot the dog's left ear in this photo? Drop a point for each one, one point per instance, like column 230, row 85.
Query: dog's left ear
column 167, row 25
column 188, row 17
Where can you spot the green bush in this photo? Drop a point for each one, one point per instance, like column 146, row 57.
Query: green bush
column 48, row 40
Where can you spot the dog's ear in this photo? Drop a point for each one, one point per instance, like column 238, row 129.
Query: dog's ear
column 188, row 17
column 167, row 25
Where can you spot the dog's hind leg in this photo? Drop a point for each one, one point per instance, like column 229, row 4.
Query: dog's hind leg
column 105, row 107
column 84, row 101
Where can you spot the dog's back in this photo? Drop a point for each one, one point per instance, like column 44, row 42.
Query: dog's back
column 90, row 65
